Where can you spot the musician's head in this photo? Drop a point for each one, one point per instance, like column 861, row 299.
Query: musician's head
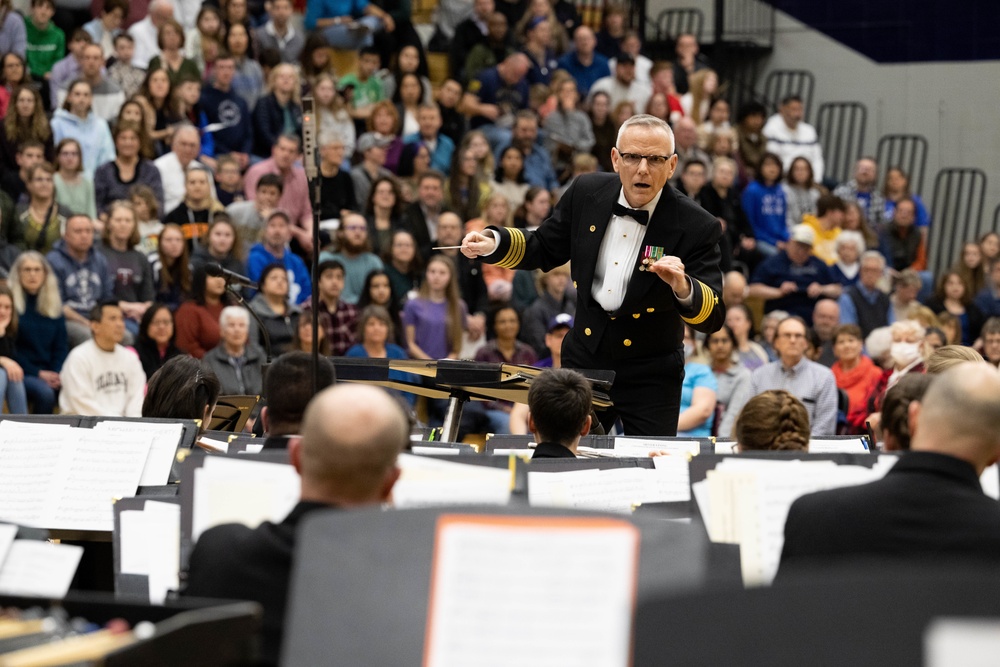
column 644, row 158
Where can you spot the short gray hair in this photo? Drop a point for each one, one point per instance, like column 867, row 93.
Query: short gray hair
column 871, row 256
column 850, row 236
column 234, row 311
column 646, row 120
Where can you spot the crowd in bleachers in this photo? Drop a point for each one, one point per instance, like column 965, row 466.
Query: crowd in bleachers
column 172, row 127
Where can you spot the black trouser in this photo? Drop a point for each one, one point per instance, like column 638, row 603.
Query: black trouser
column 646, row 391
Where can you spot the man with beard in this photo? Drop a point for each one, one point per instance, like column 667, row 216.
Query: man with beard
column 354, row 252
column 221, row 105
column 538, row 169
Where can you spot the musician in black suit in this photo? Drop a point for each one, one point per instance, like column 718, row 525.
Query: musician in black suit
column 559, row 405
column 637, row 282
column 351, row 436
column 930, row 506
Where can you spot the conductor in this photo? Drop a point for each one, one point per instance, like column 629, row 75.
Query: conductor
column 645, row 260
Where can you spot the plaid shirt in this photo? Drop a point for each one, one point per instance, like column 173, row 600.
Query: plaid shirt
column 338, row 324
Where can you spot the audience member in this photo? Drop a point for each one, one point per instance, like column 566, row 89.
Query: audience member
column 930, row 505
column 171, row 268
column 73, row 190
column 279, row 316
column 698, row 393
column 100, row 377
column 504, row 348
column 131, row 272
column 155, row 342
column 237, row 362
column 272, row 249
column 250, row 216
column 856, row 374
column 295, row 194
column 689, row 60
column 114, row 180
column 764, row 204
column 77, row 120
column 789, row 137
column 863, row 303
column 84, row 277
column 732, row 378
column 185, row 146
column 808, row 381
column 197, row 319
column 278, row 33
column 40, row 348
column 145, row 33
column 954, row 296
column 863, row 189
column 901, row 242
column 740, row 320
column 847, row 248
column 827, row 225
column 351, row 435
column 354, row 255
column 721, row 199
column 773, row 420
column 793, row 280
column 991, row 340
column 40, row 219
column 554, row 298
column 223, row 106
column 622, row 85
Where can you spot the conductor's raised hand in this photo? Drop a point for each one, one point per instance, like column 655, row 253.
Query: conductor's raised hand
column 670, row 269
column 476, row 245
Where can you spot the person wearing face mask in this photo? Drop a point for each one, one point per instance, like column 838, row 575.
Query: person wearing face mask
column 907, row 355
column 698, row 393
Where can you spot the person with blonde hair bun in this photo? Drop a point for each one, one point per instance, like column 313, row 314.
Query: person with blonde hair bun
column 773, row 420
column 947, row 356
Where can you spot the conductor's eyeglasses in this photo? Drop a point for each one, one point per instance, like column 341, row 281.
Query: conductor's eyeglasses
column 633, row 159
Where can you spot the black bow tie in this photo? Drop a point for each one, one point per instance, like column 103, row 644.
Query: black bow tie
column 642, row 217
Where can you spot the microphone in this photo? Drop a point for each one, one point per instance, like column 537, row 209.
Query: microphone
column 232, row 278
column 309, row 138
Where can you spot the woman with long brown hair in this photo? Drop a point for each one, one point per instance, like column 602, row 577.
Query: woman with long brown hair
column 171, row 270
column 773, row 420
column 25, row 121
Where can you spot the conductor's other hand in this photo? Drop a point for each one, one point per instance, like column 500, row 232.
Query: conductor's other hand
column 671, row 271
column 476, row 245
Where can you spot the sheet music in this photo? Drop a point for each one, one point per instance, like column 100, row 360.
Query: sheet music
column 435, row 451
column 749, row 501
column 725, row 447
column 66, row 478
column 240, row 491
column 164, row 439
column 626, row 446
column 615, row 490
column 98, row 468
column 428, row 481
column 39, row 569
column 845, row 446
column 213, row 445
column 565, row 570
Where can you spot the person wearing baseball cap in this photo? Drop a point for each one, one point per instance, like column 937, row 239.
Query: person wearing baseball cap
column 558, row 327
column 794, row 279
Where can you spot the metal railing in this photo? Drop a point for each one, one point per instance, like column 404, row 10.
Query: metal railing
column 841, row 127
column 906, row 151
column 957, row 214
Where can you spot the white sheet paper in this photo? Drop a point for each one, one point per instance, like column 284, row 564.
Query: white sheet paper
column 163, row 439
column 39, row 569
column 434, row 451
column 428, row 481
column 614, row 490
column 962, row 642
column 163, row 522
column 65, row 478
column 242, row 491
column 561, row 575
column 990, row 481
column 626, row 446
column 845, row 446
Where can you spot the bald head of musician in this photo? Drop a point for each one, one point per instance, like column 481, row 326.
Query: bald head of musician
column 351, row 436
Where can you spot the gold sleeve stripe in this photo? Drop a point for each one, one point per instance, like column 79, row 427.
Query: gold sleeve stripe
column 707, row 304
column 516, row 251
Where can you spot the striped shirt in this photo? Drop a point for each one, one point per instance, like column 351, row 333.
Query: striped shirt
column 811, row 383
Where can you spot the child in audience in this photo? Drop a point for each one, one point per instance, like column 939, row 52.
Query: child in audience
column 133, row 276
column 46, row 42
column 367, row 88
column 764, row 204
column 228, row 180
column 436, row 318
column 128, row 77
column 222, row 245
column 73, row 190
column 147, row 216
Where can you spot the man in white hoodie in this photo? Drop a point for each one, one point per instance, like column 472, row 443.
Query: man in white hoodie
column 100, row 377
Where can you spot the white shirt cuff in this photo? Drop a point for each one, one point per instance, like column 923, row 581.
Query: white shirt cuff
column 689, row 299
column 496, row 241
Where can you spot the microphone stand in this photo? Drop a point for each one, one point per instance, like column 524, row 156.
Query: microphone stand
column 315, row 183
